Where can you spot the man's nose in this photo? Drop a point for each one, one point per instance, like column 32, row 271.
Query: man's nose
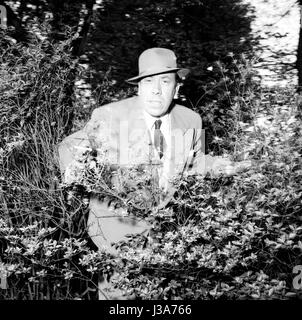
column 156, row 89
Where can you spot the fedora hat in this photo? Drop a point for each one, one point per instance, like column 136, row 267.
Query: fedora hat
column 156, row 61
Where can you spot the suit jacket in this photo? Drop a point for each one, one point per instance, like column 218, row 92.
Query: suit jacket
column 120, row 129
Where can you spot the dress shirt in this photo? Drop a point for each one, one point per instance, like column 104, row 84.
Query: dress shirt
column 165, row 128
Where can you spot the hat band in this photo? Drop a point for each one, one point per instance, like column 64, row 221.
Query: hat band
column 154, row 71
column 151, row 71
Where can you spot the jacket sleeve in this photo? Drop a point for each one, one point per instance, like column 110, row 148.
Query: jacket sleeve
column 70, row 147
column 85, row 139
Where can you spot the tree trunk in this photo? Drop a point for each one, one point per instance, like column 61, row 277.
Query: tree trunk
column 66, row 14
column 80, row 42
column 299, row 52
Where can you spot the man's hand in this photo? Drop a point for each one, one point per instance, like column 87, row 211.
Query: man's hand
column 242, row 165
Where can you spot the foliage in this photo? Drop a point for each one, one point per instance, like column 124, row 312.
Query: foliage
column 209, row 37
column 35, row 110
column 133, row 187
column 230, row 238
column 220, row 237
column 227, row 237
column 193, row 29
column 42, row 238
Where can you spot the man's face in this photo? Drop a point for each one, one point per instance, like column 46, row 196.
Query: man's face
column 157, row 92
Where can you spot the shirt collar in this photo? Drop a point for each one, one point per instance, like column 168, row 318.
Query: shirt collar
column 150, row 119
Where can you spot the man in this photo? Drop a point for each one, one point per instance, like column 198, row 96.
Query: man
column 130, row 132
column 145, row 129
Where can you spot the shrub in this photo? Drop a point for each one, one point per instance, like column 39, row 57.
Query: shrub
column 44, row 250
column 220, row 237
column 35, row 105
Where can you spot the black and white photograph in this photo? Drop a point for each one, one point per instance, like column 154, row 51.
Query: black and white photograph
column 150, row 151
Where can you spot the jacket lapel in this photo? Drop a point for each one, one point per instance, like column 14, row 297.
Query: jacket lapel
column 140, row 143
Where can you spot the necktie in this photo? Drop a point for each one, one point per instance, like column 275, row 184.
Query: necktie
column 159, row 140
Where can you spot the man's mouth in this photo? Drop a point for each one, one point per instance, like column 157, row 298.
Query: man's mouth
column 155, row 101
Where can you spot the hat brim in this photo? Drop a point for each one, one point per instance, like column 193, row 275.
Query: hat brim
column 182, row 73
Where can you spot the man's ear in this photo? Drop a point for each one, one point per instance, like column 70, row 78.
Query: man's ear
column 176, row 91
